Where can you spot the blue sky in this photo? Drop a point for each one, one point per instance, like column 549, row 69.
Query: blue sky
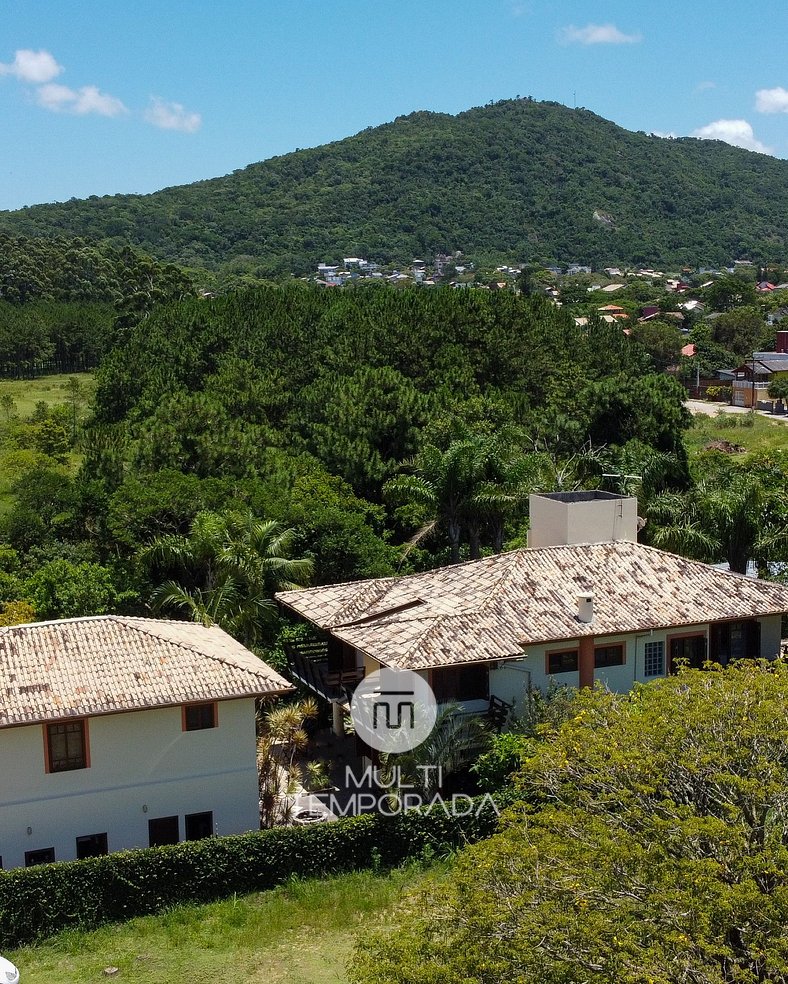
column 132, row 96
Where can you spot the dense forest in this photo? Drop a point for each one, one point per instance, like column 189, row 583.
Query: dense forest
column 363, row 431
column 324, row 413
column 518, row 180
column 62, row 300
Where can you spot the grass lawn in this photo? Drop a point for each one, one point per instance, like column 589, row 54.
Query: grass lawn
column 26, row 393
column 298, row 933
column 763, row 435
column 51, row 389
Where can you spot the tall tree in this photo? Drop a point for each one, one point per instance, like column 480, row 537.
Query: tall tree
column 227, row 569
column 650, row 847
column 725, row 517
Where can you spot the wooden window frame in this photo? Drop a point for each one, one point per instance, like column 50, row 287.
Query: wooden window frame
column 622, row 646
column 697, row 634
column 561, row 652
column 439, row 687
column 85, row 745
column 191, row 817
column 214, row 705
column 153, row 820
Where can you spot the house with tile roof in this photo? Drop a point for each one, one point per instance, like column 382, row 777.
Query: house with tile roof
column 584, row 603
column 119, row 732
column 751, row 380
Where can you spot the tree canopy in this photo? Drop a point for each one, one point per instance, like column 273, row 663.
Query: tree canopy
column 650, row 846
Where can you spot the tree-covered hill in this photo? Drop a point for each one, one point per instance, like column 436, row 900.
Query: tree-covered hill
column 518, row 179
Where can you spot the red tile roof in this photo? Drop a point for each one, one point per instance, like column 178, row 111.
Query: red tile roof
column 110, row 663
column 491, row 609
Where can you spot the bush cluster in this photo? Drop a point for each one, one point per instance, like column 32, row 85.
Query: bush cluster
column 38, row 902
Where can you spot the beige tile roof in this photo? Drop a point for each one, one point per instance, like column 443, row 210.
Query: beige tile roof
column 495, row 607
column 108, row 663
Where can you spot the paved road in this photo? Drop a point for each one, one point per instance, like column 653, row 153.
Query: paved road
column 712, row 409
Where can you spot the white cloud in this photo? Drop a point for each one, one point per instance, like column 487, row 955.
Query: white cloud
column 705, row 86
column 596, row 34
column 772, row 100
column 81, row 102
column 34, row 67
column 669, row 135
column 739, row 133
column 172, row 116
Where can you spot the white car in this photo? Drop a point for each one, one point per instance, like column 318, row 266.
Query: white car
column 8, row 972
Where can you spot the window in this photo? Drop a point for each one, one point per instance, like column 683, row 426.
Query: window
column 67, row 746
column 608, row 656
column 198, row 825
column 735, row 640
column 451, row 683
column 44, row 856
column 198, row 717
column 163, row 830
column 654, row 659
column 687, row 650
column 91, row 846
column 563, row 662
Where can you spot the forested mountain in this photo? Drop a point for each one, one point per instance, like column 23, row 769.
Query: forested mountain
column 519, row 179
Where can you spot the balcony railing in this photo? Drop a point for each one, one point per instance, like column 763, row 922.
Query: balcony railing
column 309, row 664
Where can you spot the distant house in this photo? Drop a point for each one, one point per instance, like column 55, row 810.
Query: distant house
column 752, row 379
column 584, row 603
column 613, row 311
column 121, row 732
column 612, row 288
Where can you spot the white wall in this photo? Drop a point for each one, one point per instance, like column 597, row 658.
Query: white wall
column 507, row 683
column 770, row 636
column 137, row 760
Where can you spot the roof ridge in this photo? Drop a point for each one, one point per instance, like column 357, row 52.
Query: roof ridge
column 60, row 621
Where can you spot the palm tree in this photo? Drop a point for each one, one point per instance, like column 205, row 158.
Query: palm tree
column 282, row 738
column 476, row 484
column 725, row 517
column 455, row 740
column 228, row 568
column 443, row 484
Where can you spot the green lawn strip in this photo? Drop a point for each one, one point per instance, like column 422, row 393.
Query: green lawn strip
column 299, row 932
column 49, row 389
column 763, row 435
column 26, row 393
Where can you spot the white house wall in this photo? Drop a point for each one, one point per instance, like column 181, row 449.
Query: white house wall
column 142, row 766
column 770, row 636
column 508, row 677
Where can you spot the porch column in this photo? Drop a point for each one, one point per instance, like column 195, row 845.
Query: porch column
column 586, row 661
column 337, row 719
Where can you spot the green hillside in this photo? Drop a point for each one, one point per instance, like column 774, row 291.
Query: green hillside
column 519, row 179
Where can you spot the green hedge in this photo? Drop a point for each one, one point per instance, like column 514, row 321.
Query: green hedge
column 38, row 902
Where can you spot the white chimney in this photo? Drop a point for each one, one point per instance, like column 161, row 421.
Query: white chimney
column 585, row 607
